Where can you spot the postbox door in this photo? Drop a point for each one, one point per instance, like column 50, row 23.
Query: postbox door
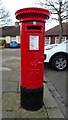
column 36, row 56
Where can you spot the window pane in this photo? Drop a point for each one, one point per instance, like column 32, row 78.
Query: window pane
column 47, row 40
column 13, row 39
column 56, row 40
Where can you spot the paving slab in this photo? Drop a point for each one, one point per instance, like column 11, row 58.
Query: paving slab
column 4, row 69
column 0, row 114
column 10, row 76
column 11, row 98
column 12, row 64
column 51, row 105
column 10, row 101
column 0, row 87
column 21, row 113
column 54, row 113
column 8, row 115
column 11, row 107
column 0, row 96
column 9, row 86
column 48, row 98
column 0, row 105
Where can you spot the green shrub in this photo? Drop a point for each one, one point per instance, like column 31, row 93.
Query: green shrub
column 2, row 42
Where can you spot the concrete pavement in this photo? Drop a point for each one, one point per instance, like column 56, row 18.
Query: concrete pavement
column 10, row 99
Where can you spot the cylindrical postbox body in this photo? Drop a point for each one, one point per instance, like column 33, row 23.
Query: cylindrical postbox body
column 32, row 32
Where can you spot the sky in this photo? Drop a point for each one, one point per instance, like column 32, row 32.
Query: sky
column 14, row 5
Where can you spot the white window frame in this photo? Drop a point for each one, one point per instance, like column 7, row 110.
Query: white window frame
column 12, row 39
column 47, row 39
column 18, row 39
column 57, row 39
column 63, row 38
column 2, row 38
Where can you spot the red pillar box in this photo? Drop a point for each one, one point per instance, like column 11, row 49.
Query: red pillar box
column 32, row 32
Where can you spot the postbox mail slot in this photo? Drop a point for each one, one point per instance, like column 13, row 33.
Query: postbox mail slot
column 34, row 27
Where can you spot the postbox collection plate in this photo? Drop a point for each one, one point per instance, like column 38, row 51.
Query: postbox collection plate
column 33, row 42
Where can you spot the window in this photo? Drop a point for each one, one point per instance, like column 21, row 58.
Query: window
column 13, row 39
column 63, row 38
column 18, row 39
column 47, row 40
column 57, row 39
column 2, row 38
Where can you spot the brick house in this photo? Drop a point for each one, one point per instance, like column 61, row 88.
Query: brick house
column 52, row 35
column 12, row 33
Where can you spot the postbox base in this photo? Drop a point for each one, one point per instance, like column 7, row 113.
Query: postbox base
column 31, row 99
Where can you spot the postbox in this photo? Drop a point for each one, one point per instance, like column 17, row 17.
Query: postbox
column 32, row 33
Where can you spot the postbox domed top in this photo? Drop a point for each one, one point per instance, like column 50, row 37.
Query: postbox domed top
column 32, row 13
